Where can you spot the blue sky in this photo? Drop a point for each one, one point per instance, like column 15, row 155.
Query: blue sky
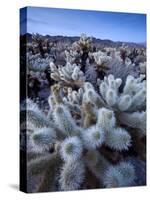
column 104, row 25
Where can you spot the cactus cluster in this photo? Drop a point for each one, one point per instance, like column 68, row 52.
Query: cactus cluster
column 70, row 74
column 95, row 116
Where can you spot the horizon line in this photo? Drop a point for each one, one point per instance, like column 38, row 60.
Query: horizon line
column 46, row 34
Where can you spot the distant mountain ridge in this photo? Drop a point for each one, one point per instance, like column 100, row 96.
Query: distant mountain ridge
column 71, row 39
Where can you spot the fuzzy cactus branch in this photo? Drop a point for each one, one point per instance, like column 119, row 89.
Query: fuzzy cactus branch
column 119, row 176
column 72, row 175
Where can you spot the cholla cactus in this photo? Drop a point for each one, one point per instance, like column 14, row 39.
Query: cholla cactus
column 72, row 141
column 101, row 60
column 87, row 123
column 115, row 138
column 41, row 45
column 72, row 56
column 130, row 104
column 82, row 47
column 36, row 63
column 109, row 61
column 121, row 70
column 83, row 44
column 68, row 75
